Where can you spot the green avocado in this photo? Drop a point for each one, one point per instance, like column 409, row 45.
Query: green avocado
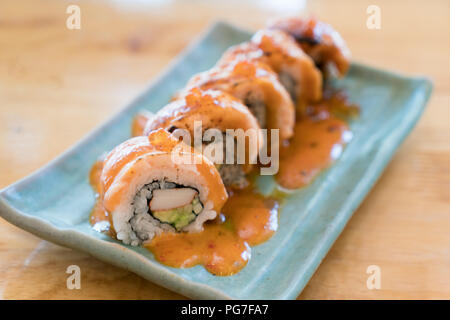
column 179, row 217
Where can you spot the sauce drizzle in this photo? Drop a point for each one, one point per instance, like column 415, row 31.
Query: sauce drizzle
column 223, row 247
column 319, row 139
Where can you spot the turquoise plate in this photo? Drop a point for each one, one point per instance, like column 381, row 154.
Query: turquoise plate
column 54, row 203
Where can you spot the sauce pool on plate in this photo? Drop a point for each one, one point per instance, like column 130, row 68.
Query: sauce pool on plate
column 224, row 246
column 319, row 139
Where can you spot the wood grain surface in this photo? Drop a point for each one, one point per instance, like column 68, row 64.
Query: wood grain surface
column 58, row 84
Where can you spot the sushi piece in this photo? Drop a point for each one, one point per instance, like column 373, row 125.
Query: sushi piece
column 320, row 41
column 296, row 70
column 256, row 86
column 145, row 192
column 216, row 110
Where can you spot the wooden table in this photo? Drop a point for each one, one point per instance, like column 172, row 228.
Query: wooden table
column 58, row 84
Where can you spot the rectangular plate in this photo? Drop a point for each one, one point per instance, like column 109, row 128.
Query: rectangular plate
column 54, row 203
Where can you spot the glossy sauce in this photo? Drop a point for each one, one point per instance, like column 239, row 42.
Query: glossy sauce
column 223, row 247
column 314, row 147
column 249, row 218
column 319, row 139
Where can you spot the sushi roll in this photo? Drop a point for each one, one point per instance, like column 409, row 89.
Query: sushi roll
column 296, row 70
column 320, row 41
column 216, row 110
column 256, row 86
column 145, row 192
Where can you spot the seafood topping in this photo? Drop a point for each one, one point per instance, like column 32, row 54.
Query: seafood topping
column 166, row 199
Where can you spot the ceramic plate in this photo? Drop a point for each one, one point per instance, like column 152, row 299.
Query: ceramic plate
column 54, row 203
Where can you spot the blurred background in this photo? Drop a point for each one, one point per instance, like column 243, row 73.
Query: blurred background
column 57, row 84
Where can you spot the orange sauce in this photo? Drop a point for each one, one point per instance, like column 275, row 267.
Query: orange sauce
column 254, row 217
column 223, row 247
column 319, row 138
column 310, row 151
column 218, row 248
column 249, row 218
